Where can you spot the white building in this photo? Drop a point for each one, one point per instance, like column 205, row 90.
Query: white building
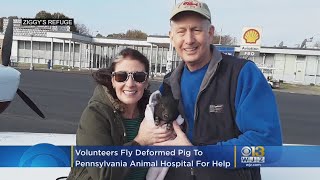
column 60, row 47
column 292, row 65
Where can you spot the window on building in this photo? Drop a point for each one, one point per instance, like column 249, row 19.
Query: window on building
column 301, row 58
column 56, row 47
column 21, row 44
column 42, row 46
column 48, row 46
column 35, row 45
column 76, row 48
column 66, row 47
column 27, row 45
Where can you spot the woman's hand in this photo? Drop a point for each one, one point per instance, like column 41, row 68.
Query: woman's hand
column 150, row 134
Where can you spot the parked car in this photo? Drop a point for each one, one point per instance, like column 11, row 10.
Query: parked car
column 274, row 83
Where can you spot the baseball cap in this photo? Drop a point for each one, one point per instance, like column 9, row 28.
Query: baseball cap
column 194, row 6
column 9, row 82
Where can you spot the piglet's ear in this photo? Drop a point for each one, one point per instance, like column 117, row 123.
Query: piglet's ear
column 166, row 90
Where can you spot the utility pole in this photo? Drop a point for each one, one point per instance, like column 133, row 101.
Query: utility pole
column 31, row 42
column 220, row 38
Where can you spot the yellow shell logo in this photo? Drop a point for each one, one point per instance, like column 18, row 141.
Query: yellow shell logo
column 251, row 36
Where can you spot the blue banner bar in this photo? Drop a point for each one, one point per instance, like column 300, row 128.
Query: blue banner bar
column 48, row 155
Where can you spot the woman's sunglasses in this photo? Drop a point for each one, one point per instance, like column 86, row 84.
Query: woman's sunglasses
column 122, row 76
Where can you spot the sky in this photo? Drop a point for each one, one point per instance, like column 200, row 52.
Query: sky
column 290, row 21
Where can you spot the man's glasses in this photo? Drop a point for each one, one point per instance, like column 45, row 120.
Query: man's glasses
column 122, row 76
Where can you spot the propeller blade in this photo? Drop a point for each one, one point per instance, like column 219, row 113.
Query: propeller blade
column 7, row 43
column 27, row 100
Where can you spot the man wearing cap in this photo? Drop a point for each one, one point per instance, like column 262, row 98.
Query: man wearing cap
column 223, row 99
column 9, row 82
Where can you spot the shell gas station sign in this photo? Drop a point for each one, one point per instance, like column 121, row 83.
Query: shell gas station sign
column 251, row 41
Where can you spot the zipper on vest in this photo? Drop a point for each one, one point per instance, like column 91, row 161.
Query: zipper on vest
column 196, row 112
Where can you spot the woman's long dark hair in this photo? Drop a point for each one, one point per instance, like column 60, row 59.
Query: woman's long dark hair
column 103, row 76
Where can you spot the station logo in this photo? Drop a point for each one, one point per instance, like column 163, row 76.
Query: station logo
column 253, row 154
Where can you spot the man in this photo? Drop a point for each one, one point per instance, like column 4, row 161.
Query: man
column 9, row 82
column 223, row 99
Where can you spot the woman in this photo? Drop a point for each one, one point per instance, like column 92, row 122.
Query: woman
column 115, row 112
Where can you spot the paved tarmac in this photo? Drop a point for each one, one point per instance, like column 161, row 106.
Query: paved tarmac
column 63, row 96
column 299, row 89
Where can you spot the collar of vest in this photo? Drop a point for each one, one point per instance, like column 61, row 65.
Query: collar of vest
column 174, row 79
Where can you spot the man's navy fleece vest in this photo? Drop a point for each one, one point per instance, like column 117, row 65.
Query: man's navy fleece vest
column 216, row 112
column 218, row 104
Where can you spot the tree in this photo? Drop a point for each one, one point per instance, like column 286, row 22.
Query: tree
column 136, row 34
column 58, row 15
column 99, row 35
column 117, row 36
column 82, row 29
column 130, row 34
column 43, row 15
column 317, row 44
column 225, row 39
